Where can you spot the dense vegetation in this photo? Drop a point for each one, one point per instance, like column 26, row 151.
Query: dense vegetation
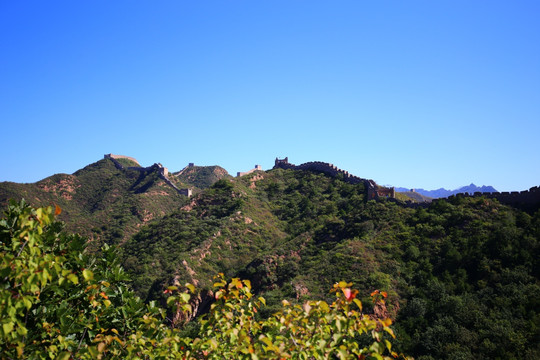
column 202, row 177
column 100, row 202
column 109, row 205
column 57, row 302
column 461, row 275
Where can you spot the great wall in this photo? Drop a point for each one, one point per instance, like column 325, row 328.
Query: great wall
column 374, row 191
column 162, row 171
column 257, row 168
column 524, row 199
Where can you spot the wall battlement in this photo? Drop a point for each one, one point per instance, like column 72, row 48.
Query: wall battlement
column 162, row 171
column 525, row 198
column 257, row 168
column 374, row 191
column 114, row 157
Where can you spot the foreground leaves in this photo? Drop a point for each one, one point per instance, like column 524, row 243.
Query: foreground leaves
column 57, row 302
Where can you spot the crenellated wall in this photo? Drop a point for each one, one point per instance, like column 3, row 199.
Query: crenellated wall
column 114, row 157
column 163, row 171
column 524, row 198
column 374, row 191
column 190, row 165
column 257, row 168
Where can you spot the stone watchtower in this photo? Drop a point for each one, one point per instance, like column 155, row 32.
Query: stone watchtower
column 283, row 164
column 282, row 161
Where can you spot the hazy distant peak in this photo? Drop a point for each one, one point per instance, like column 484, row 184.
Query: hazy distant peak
column 442, row 192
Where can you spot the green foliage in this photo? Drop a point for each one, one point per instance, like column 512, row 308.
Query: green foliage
column 101, row 202
column 472, row 290
column 202, row 177
column 56, row 302
column 182, row 244
column 462, row 275
column 316, row 330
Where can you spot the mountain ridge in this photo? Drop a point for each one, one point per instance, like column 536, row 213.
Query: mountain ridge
column 442, row 192
column 295, row 232
column 109, row 200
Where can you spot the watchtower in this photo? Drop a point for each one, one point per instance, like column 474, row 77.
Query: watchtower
column 282, row 161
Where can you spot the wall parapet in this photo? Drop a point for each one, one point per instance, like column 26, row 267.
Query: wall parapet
column 525, row 198
column 162, row 171
column 374, row 191
column 257, row 168
column 114, row 157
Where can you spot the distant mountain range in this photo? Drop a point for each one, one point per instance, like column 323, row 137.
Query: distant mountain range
column 441, row 193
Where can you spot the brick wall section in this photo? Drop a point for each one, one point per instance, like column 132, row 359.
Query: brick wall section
column 113, row 157
column 116, row 163
column 257, row 168
column 516, row 198
column 526, row 198
column 163, row 171
column 374, row 191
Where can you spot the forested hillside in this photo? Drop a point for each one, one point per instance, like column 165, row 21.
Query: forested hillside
column 100, row 201
column 461, row 276
column 201, row 177
column 59, row 301
column 108, row 204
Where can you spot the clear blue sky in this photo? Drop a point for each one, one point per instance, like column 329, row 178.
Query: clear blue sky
column 422, row 94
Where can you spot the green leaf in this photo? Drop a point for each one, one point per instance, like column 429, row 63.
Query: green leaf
column 63, row 355
column 191, row 287
column 88, row 275
column 185, row 297
column 73, row 278
column 358, row 303
column 7, row 327
column 21, row 330
column 171, row 299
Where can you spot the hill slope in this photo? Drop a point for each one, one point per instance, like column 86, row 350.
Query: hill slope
column 453, row 270
column 100, row 201
column 201, row 177
column 462, row 274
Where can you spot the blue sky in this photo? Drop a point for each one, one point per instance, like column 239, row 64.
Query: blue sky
column 423, row 94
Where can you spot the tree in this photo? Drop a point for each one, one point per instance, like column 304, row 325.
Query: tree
column 58, row 302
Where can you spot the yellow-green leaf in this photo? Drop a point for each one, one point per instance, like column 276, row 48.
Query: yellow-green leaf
column 185, row 297
column 88, row 275
column 191, row 287
column 7, row 327
column 73, row 278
